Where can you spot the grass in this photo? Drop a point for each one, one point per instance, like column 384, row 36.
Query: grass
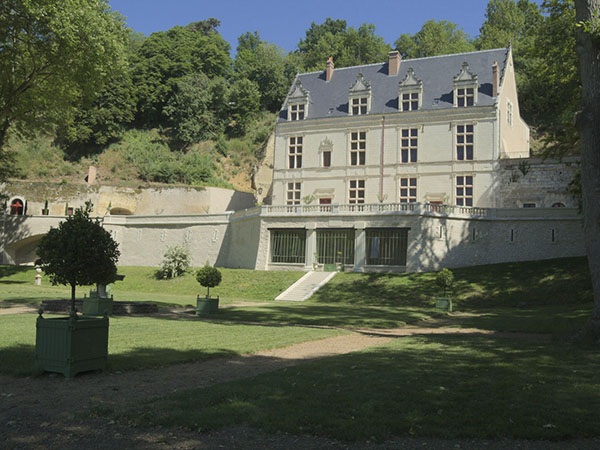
column 142, row 342
column 436, row 386
column 140, row 284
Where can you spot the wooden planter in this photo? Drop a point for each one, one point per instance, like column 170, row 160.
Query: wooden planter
column 97, row 306
column 70, row 345
column 206, row 305
column 444, row 303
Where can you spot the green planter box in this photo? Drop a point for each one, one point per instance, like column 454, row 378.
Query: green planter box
column 96, row 306
column 206, row 305
column 70, row 345
column 444, row 303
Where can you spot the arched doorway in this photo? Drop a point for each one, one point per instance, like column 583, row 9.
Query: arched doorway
column 17, row 207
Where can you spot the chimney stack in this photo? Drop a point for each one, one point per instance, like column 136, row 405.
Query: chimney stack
column 394, row 59
column 330, row 67
column 495, row 79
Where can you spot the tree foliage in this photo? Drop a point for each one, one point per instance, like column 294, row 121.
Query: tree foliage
column 347, row 45
column 434, row 38
column 265, row 65
column 79, row 252
column 53, row 53
column 208, row 277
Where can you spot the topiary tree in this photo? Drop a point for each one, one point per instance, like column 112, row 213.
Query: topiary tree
column 79, row 252
column 176, row 261
column 445, row 279
column 208, row 277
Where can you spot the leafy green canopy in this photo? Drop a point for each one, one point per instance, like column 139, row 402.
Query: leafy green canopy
column 433, row 39
column 79, row 252
column 52, row 53
column 347, row 45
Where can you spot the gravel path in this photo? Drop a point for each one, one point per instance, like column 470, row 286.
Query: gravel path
column 41, row 412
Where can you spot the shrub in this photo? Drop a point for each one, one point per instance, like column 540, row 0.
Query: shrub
column 445, row 279
column 208, row 277
column 176, row 261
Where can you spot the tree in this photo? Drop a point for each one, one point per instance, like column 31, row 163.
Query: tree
column 265, row 65
column 433, row 39
column 165, row 57
column 79, row 252
column 192, row 110
column 508, row 23
column 208, row 277
column 244, row 100
column 588, row 123
column 348, row 46
column 53, row 53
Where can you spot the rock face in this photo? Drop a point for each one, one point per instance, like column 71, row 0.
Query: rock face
column 57, row 199
column 263, row 178
column 532, row 182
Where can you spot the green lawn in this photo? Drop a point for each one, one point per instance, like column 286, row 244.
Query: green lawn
column 140, row 284
column 434, row 386
column 141, row 342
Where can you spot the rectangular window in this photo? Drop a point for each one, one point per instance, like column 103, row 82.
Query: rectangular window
column 358, row 148
column 295, row 153
column 408, row 190
column 408, row 145
column 509, row 112
column 293, row 193
column 465, row 97
column 464, row 142
column 297, row 112
column 359, row 106
column 325, row 204
column 327, row 158
column 335, row 246
column 356, row 192
column 528, row 205
column 410, row 101
column 386, row 246
column 288, row 246
column 464, row 190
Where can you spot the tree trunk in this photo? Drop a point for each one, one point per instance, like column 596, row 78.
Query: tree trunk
column 73, row 286
column 588, row 123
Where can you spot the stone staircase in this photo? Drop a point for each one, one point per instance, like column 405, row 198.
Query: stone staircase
column 305, row 286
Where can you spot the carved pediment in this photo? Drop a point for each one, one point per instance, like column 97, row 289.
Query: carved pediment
column 465, row 75
column 360, row 85
column 410, row 80
column 326, row 144
column 298, row 93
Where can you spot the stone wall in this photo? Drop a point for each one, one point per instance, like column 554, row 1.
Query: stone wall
column 125, row 201
column 534, row 181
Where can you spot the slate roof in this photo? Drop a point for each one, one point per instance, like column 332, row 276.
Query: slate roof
column 330, row 98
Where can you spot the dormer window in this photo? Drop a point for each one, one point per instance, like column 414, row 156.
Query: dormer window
column 410, row 92
column 359, row 106
column 465, row 97
column 297, row 112
column 359, row 97
column 298, row 101
column 465, row 87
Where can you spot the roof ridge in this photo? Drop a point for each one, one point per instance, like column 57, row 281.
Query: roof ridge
column 407, row 60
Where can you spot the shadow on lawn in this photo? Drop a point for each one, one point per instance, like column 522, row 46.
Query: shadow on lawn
column 508, row 284
column 7, row 271
column 329, row 315
column 435, row 386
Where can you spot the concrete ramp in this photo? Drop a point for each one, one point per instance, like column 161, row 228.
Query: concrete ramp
column 305, row 286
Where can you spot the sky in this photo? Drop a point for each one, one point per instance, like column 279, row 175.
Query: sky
column 285, row 22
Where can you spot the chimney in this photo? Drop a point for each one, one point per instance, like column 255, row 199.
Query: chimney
column 330, row 67
column 394, row 59
column 495, row 79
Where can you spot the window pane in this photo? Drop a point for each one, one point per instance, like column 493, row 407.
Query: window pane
column 469, row 180
column 459, row 181
column 413, row 181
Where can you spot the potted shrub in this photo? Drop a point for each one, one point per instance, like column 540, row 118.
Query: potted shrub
column 445, row 280
column 208, row 277
column 78, row 252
